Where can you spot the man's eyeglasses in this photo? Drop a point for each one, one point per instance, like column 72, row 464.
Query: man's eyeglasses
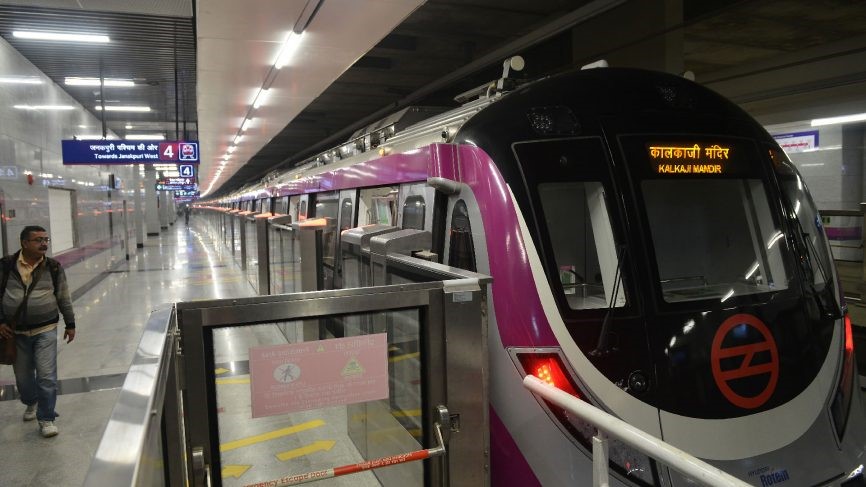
column 41, row 239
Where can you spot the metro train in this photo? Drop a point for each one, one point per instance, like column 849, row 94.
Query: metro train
column 653, row 251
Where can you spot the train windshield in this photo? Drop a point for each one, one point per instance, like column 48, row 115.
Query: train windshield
column 570, row 182
column 714, row 232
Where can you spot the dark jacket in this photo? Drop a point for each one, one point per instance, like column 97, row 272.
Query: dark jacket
column 45, row 303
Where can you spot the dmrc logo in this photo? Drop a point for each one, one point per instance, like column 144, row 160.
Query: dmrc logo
column 734, row 364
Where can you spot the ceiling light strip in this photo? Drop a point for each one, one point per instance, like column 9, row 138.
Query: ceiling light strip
column 60, row 36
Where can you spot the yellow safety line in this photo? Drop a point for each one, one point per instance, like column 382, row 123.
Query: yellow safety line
column 234, row 380
column 406, row 413
column 321, row 445
column 232, row 445
column 407, row 356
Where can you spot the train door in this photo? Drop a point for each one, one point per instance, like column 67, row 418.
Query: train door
column 327, row 207
column 346, row 219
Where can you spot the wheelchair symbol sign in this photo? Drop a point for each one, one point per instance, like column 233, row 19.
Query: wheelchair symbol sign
column 186, row 170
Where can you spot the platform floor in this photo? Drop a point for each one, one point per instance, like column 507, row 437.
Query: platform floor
column 181, row 264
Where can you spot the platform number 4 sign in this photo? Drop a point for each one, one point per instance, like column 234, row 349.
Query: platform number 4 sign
column 186, row 170
column 178, row 151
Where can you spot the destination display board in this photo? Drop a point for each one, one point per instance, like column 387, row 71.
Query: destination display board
column 129, row 152
column 182, row 193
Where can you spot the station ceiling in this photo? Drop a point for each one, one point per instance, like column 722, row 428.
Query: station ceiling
column 780, row 59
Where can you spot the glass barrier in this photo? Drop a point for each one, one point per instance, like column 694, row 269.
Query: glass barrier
column 267, row 390
column 285, row 385
column 845, row 233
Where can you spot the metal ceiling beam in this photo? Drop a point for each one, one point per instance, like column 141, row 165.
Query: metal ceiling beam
column 496, row 56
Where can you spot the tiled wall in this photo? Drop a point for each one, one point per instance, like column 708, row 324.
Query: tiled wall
column 30, row 141
column 833, row 172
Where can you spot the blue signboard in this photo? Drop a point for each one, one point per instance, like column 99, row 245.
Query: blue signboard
column 186, row 170
column 129, row 152
column 176, row 187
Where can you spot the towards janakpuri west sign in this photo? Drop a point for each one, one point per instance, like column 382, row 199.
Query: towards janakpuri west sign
column 129, row 152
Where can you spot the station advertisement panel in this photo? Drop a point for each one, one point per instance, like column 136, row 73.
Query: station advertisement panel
column 129, row 152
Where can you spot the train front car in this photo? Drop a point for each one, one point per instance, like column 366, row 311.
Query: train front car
column 679, row 278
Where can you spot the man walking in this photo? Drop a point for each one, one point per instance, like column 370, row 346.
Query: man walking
column 34, row 289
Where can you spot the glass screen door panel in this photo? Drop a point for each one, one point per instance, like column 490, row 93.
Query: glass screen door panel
column 279, row 410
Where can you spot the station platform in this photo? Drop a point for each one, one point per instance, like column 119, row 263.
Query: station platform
column 182, row 264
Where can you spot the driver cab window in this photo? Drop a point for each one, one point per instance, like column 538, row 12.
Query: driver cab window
column 572, row 182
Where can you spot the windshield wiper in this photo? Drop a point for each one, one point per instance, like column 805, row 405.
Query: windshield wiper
column 812, row 255
column 604, row 346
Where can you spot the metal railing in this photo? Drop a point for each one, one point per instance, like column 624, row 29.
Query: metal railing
column 609, row 425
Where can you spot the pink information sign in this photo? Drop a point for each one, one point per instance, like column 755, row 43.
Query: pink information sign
column 312, row 375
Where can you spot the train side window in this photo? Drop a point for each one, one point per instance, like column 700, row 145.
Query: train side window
column 346, row 214
column 377, row 205
column 302, row 211
column 326, row 207
column 461, row 251
column 414, row 209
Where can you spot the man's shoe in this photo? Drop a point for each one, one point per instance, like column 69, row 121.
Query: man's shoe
column 30, row 413
column 48, row 429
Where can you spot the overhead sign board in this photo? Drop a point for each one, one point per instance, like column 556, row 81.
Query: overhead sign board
column 186, row 170
column 176, row 187
column 181, row 193
column 129, row 152
column 8, row 172
column 798, row 141
column 175, row 181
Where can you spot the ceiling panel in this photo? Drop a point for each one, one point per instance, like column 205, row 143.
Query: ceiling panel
column 170, row 8
column 238, row 43
column 157, row 52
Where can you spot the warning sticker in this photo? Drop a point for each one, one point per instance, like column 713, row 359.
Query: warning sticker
column 756, row 359
column 313, row 375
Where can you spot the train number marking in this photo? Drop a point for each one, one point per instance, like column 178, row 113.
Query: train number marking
column 745, row 369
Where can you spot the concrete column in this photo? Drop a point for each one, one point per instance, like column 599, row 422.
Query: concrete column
column 151, row 209
column 138, row 215
column 163, row 209
column 617, row 32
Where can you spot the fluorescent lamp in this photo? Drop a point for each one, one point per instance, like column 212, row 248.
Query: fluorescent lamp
column 57, row 36
column 260, row 98
column 232, row 148
column 238, row 139
column 290, row 45
column 120, row 108
column 127, row 127
column 245, row 125
column 88, row 137
column 859, row 117
column 95, row 82
column 144, row 137
column 20, row 80
column 44, row 107
column 226, row 157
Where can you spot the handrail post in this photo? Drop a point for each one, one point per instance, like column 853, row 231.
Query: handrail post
column 600, row 474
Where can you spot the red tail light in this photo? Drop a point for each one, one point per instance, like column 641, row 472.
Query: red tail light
column 550, row 369
column 841, row 404
column 849, row 337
